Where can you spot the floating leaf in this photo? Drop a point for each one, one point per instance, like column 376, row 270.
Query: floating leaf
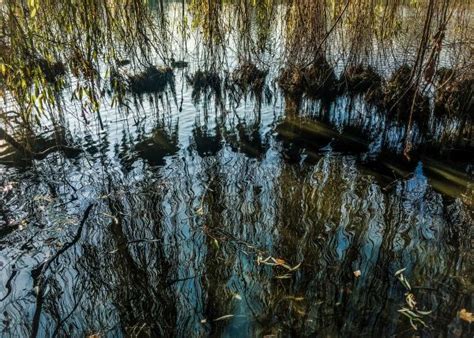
column 296, row 267
column 424, row 313
column 223, row 317
column 410, row 299
column 466, row 316
column 279, row 261
column 399, row 271
column 357, row 273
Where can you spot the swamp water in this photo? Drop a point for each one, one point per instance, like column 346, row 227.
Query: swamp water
column 184, row 217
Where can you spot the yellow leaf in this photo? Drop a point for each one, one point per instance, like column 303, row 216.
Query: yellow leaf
column 410, row 299
column 466, row 316
column 357, row 273
column 279, row 261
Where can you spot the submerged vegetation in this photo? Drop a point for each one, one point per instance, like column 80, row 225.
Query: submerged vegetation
column 240, row 167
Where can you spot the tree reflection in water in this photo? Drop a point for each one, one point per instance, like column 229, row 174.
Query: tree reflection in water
column 232, row 212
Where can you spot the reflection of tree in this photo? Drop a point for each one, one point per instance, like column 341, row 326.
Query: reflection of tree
column 207, row 143
column 149, row 298
column 160, row 144
column 306, row 137
column 165, row 251
column 248, row 139
column 219, row 259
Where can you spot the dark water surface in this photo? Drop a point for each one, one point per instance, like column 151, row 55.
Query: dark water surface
column 181, row 219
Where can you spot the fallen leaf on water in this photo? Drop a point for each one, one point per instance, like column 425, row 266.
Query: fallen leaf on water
column 296, row 267
column 223, row 317
column 238, row 297
column 203, row 321
column 400, row 271
column 279, row 261
column 424, row 313
column 410, row 299
column 357, row 273
column 294, row 298
column 466, row 316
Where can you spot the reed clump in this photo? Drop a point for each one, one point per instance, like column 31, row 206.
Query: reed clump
column 317, row 81
column 203, row 82
column 152, row 80
column 360, row 79
column 454, row 93
column 249, row 77
column 402, row 99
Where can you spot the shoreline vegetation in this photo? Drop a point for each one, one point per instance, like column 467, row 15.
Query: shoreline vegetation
column 265, row 168
column 43, row 53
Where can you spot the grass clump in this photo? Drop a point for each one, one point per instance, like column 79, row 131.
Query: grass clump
column 454, row 93
column 152, row 80
column 203, row 82
column 402, row 99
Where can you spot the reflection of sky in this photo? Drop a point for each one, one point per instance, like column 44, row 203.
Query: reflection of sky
column 330, row 216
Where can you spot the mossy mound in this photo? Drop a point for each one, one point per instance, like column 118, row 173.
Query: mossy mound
column 401, row 97
column 203, row 82
column 249, row 77
column 454, row 94
column 152, row 80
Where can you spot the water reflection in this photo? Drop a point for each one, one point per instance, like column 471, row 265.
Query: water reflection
column 175, row 248
column 218, row 213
